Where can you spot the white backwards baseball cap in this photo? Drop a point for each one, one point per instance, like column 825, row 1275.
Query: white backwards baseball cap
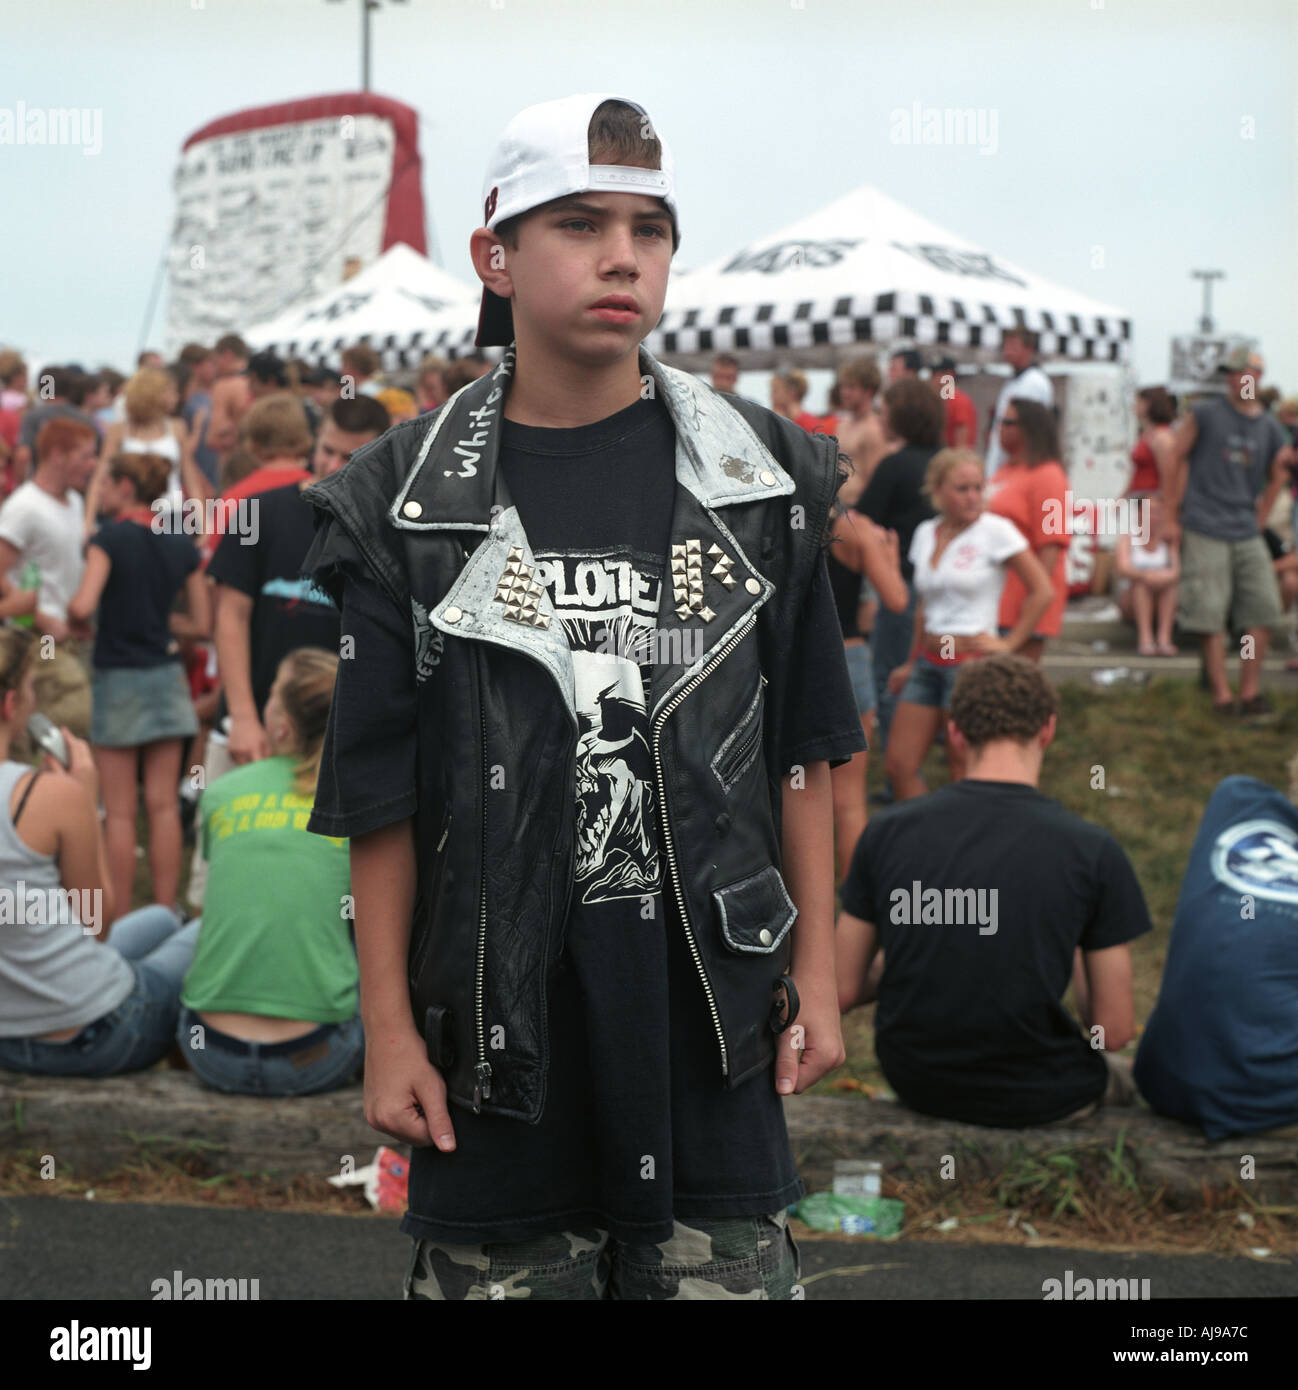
column 544, row 154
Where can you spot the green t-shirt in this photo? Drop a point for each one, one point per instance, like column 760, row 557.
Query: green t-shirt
column 274, row 938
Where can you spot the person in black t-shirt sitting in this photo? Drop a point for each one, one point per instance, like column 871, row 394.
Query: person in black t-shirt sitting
column 985, row 897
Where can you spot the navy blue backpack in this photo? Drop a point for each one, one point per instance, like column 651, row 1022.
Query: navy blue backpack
column 1221, row 1047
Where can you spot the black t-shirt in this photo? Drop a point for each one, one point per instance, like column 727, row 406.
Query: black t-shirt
column 288, row 610
column 147, row 571
column 638, row 1126
column 893, row 500
column 970, row 1023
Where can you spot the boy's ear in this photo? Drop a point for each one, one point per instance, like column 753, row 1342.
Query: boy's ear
column 488, row 252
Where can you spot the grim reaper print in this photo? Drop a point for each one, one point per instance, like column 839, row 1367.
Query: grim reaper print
column 608, row 604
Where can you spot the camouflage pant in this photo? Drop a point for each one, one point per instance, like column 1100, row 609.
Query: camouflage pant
column 740, row 1257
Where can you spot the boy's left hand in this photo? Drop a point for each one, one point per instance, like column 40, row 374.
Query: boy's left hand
column 818, row 1031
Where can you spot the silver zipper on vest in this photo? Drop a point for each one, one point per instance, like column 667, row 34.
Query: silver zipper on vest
column 667, row 834
column 482, row 1072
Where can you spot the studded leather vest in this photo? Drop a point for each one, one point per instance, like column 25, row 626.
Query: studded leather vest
column 424, row 514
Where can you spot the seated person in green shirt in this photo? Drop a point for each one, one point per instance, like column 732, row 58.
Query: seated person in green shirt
column 270, row 1004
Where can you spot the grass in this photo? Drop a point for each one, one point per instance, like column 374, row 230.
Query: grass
column 1162, row 752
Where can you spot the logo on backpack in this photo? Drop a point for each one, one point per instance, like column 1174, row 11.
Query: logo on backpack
column 1258, row 857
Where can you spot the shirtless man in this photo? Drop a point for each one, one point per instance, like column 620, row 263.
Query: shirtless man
column 230, row 394
column 860, row 431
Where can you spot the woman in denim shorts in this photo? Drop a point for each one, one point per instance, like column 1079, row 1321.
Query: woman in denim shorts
column 860, row 548
column 960, row 559
column 142, row 712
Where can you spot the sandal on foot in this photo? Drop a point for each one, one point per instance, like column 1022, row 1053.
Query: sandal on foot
column 1259, row 704
column 1224, row 709
column 1168, row 649
column 1148, row 649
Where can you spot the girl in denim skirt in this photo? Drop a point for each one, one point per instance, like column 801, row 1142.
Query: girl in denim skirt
column 135, row 568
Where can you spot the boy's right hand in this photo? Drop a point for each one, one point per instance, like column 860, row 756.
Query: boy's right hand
column 405, row 1095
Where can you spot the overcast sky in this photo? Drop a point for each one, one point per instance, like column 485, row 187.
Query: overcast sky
column 1163, row 131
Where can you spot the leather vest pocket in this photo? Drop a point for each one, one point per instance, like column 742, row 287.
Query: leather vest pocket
column 741, row 747
column 755, row 912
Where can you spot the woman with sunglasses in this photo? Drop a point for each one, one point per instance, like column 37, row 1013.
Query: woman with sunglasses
column 1030, row 489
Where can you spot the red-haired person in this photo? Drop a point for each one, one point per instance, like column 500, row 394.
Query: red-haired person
column 40, row 549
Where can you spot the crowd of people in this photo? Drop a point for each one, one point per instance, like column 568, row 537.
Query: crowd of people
column 152, row 536
column 949, row 574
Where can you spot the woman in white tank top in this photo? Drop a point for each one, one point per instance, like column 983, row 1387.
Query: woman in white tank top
column 150, row 427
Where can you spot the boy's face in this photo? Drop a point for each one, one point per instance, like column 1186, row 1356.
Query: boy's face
column 577, row 252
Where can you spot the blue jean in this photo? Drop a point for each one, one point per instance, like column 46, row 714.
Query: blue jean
column 930, row 683
column 322, row 1060
column 890, row 646
column 861, row 671
column 142, row 1028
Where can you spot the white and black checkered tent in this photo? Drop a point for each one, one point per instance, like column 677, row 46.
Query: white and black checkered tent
column 867, row 271
column 400, row 306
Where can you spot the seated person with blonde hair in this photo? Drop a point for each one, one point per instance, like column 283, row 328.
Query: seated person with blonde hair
column 270, row 1004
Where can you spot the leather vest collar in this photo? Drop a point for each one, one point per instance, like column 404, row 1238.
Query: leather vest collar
column 710, row 589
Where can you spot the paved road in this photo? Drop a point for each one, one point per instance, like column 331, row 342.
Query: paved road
column 78, row 1250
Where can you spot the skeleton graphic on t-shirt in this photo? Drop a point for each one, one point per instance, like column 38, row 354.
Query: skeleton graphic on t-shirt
column 605, row 601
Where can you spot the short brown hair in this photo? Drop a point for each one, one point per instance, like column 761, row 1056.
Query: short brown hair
column 1160, row 404
column 617, row 134
column 1001, row 696
column 149, row 473
column 794, row 380
column 915, row 411
column 276, row 427
column 1037, row 431
column 1025, row 335
column 361, row 360
column 863, row 372
column 233, row 344
column 11, row 364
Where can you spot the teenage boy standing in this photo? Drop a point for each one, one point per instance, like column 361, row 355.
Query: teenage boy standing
column 570, row 861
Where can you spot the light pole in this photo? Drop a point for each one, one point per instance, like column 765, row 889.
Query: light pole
column 366, row 7
column 1207, row 276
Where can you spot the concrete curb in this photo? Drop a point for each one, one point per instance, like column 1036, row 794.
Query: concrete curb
column 94, row 1126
